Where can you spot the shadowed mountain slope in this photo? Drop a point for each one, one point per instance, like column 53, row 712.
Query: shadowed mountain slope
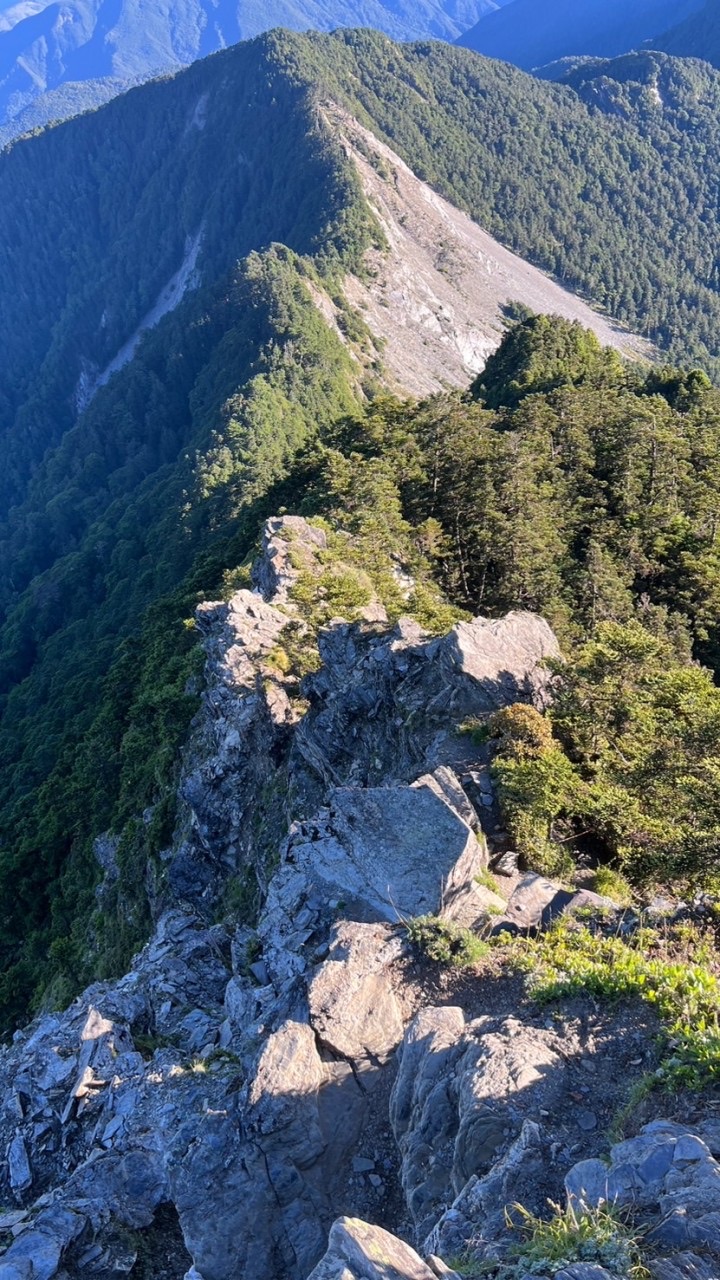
column 531, row 33
column 697, row 37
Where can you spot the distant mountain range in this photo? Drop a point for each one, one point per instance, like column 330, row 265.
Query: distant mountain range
column 532, row 33
column 57, row 59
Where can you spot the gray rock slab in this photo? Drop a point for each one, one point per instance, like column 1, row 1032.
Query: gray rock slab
column 683, row 1266
column 19, row 1165
column 503, row 658
column 282, row 1099
column 528, row 902
column 584, row 1271
column 477, row 1214
column 390, row 852
column 359, row 1251
column 41, row 1251
column 447, row 787
column 353, row 1006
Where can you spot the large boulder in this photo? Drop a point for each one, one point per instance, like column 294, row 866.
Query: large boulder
column 359, row 1251
column 354, row 1009
column 379, row 854
column 536, row 902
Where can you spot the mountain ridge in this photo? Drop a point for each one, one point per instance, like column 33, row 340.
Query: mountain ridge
column 55, row 62
column 697, row 37
column 116, row 519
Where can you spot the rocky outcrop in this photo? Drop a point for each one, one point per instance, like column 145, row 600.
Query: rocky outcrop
column 668, row 1173
column 375, row 854
column 254, row 1061
column 259, row 1080
column 462, row 1093
column 385, row 707
column 239, row 736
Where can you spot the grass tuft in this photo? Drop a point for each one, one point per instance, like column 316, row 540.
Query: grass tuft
column 445, row 942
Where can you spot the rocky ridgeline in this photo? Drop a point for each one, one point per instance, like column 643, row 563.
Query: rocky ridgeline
column 289, row 1100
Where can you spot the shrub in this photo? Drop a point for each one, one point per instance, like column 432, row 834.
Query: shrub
column 613, row 885
column 523, row 732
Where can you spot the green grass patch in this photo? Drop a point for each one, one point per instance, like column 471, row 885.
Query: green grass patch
column 598, row 1236
column 486, row 880
column 674, row 972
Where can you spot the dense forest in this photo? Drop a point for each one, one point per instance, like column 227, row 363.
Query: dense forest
column 608, row 183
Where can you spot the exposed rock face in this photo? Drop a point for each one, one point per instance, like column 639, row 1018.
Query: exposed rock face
column 353, row 1007
column 385, row 707
column 273, row 573
column 666, row 1170
column 261, row 1084
column 376, row 854
column 436, row 291
column 240, row 1075
column 240, row 732
column 462, row 1090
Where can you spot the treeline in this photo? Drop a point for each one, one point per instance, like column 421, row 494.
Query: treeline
column 571, row 484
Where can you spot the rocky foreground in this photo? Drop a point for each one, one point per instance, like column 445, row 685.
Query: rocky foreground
column 305, row 1096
